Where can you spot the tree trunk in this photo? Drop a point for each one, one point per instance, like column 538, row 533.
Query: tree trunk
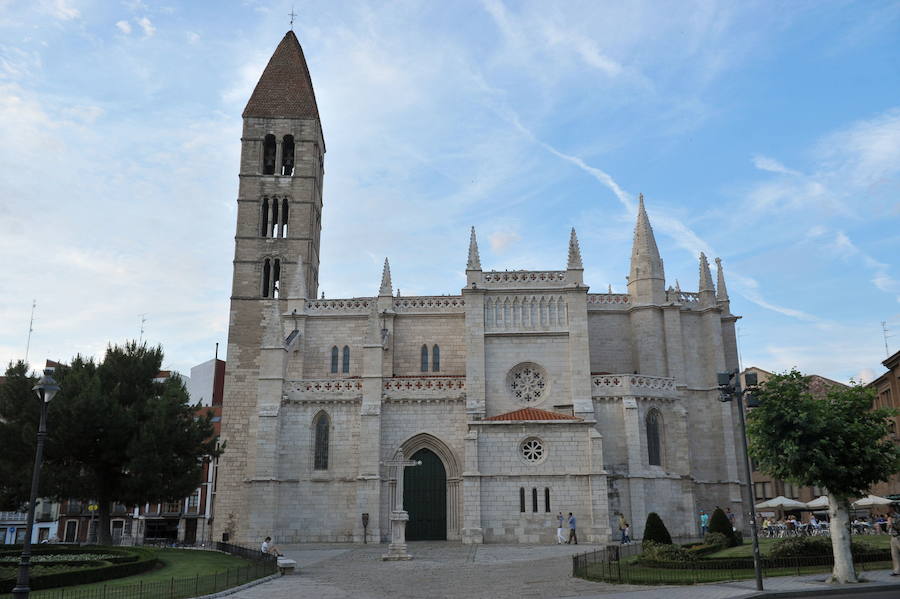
column 839, row 526
column 103, row 535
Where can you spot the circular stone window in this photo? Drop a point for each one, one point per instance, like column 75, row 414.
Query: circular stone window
column 532, row 450
column 527, row 382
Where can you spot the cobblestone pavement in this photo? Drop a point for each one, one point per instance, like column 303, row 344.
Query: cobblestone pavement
column 451, row 570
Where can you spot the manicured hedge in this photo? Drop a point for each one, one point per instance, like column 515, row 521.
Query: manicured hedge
column 133, row 560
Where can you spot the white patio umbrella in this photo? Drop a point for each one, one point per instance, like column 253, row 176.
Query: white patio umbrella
column 819, row 503
column 781, row 502
column 871, row 501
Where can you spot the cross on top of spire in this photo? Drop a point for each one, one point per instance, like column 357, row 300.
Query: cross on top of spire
column 292, row 14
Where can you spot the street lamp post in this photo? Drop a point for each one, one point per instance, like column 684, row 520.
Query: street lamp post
column 45, row 389
column 730, row 388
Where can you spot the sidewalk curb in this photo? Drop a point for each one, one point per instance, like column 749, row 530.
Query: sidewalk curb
column 233, row 590
column 863, row 588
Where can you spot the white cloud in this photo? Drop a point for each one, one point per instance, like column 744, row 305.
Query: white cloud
column 124, row 26
column 193, row 37
column 146, row 26
column 60, row 9
column 764, row 163
column 501, row 240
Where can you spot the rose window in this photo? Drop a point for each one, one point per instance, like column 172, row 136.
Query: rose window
column 528, row 383
column 532, row 450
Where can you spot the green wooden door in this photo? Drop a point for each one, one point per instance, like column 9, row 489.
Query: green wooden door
column 425, row 498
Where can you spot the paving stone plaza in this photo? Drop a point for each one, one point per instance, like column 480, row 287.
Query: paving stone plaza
column 451, row 570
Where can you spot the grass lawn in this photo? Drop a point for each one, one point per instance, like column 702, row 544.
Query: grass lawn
column 176, row 563
column 746, row 550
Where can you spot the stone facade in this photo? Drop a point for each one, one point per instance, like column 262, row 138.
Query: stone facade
column 546, row 397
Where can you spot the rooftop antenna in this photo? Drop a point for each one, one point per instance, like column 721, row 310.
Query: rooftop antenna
column 292, row 14
column 30, row 329
column 884, row 333
column 143, row 320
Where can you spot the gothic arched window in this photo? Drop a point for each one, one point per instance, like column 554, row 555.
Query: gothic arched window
column 276, row 277
column 547, row 499
column 345, row 364
column 266, row 277
column 275, row 228
column 521, row 499
column 264, row 218
column 269, row 155
column 436, row 359
column 654, row 456
column 287, row 155
column 534, row 501
column 284, row 217
column 334, row 359
column 321, row 425
column 424, row 355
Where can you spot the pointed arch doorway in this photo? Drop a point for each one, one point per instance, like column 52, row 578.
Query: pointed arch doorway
column 425, row 497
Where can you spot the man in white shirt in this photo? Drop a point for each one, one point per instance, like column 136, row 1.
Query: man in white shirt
column 268, row 547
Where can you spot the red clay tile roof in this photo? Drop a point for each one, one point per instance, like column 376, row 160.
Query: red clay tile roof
column 532, row 414
column 285, row 88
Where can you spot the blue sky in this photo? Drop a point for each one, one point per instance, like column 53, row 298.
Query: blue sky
column 764, row 133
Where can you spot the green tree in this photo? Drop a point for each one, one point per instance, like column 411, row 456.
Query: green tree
column 655, row 530
column 720, row 523
column 837, row 442
column 114, row 433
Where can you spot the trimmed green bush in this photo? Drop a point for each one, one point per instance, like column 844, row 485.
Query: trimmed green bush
column 716, row 539
column 140, row 560
column 653, row 552
column 720, row 523
column 811, row 546
column 655, row 531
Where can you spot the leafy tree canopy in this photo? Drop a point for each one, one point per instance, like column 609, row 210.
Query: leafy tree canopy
column 114, row 433
column 838, row 441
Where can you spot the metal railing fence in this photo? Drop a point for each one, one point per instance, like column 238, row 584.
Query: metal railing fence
column 176, row 588
column 621, row 565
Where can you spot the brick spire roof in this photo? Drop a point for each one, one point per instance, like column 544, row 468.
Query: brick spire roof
column 285, row 88
column 532, row 414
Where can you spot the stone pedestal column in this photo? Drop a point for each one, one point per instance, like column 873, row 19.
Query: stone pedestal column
column 397, row 548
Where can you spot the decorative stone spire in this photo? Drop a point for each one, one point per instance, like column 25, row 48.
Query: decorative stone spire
column 387, row 288
column 474, row 262
column 285, row 89
column 609, row 288
column 721, row 290
column 574, row 252
column 298, row 281
column 706, row 283
column 646, row 281
column 677, row 286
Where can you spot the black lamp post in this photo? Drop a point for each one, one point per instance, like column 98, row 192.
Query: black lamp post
column 730, row 388
column 45, row 389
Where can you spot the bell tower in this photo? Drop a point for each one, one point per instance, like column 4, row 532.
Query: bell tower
column 279, row 215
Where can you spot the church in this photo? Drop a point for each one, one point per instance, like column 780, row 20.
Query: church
column 522, row 394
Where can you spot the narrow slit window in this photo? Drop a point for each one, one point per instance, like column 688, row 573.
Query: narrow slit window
column 269, row 155
column 522, row 499
column 267, row 275
column 334, row 360
column 264, row 218
column 345, row 365
column 284, row 217
column 534, row 500
column 276, row 229
column 435, row 359
column 287, row 155
column 322, row 426
column 653, row 445
column 276, row 277
column 424, row 356
column 547, row 499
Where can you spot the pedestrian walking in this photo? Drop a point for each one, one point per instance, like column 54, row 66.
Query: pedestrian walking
column 894, row 531
column 626, row 533
column 561, row 521
column 572, row 535
column 730, row 516
column 704, row 523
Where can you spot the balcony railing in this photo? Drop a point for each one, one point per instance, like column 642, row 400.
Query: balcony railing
column 13, row 516
column 637, row 385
